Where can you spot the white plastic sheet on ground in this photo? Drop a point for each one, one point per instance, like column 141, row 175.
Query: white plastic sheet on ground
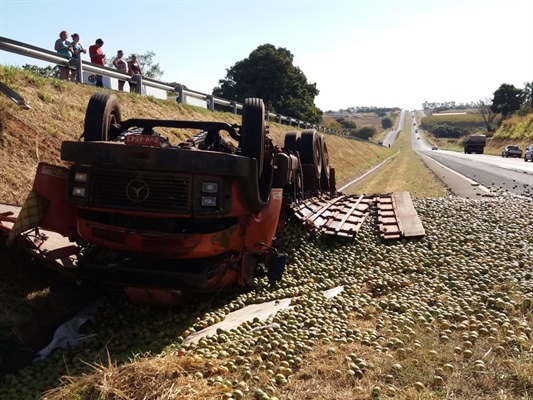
column 68, row 334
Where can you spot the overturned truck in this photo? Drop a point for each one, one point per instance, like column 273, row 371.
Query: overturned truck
column 160, row 220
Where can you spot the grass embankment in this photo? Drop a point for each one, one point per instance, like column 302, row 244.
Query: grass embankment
column 403, row 172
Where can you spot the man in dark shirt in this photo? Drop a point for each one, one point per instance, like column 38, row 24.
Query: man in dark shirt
column 97, row 57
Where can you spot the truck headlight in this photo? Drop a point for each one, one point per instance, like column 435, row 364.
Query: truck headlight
column 78, row 191
column 209, row 201
column 80, row 177
column 209, row 187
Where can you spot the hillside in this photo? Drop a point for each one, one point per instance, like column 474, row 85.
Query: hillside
column 30, row 136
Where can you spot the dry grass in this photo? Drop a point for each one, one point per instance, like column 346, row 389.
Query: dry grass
column 404, row 172
column 409, row 363
column 171, row 377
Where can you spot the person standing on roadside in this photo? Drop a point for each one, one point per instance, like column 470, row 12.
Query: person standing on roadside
column 97, row 57
column 63, row 47
column 77, row 49
column 134, row 69
column 122, row 66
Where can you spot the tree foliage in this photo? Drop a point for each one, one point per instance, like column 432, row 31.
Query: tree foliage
column 528, row 95
column 269, row 73
column 386, row 122
column 484, row 108
column 380, row 111
column 366, row 132
column 346, row 123
column 507, row 100
column 436, row 107
column 46, row 72
column 447, row 131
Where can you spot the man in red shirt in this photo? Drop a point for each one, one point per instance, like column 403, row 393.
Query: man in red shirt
column 97, row 57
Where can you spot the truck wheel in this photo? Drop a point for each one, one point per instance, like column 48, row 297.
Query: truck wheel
column 310, row 150
column 102, row 117
column 291, row 142
column 253, row 131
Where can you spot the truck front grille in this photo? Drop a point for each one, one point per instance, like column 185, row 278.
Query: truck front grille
column 132, row 190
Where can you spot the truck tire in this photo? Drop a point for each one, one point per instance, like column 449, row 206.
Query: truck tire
column 291, row 142
column 102, row 118
column 310, row 150
column 253, row 131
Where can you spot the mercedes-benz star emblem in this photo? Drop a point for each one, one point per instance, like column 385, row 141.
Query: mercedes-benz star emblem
column 137, row 190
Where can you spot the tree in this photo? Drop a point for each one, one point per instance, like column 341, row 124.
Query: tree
column 528, row 93
column 346, row 123
column 146, row 61
column 46, row 72
column 269, row 73
column 507, row 100
column 386, row 123
column 366, row 132
column 484, row 108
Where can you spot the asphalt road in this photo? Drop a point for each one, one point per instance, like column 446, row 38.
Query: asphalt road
column 391, row 136
column 495, row 173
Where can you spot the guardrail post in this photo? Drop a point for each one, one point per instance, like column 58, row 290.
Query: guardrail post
column 234, row 106
column 289, row 121
column 138, row 80
column 210, row 102
column 267, row 115
column 79, row 70
column 181, row 97
column 278, row 117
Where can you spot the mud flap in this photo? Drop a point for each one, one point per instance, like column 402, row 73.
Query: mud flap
column 51, row 183
column 30, row 216
column 275, row 272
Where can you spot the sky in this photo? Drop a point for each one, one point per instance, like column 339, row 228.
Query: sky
column 365, row 53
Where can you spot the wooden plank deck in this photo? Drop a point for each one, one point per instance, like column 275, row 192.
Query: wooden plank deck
column 410, row 222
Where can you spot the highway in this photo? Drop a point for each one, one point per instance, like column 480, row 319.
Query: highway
column 494, row 172
column 391, row 136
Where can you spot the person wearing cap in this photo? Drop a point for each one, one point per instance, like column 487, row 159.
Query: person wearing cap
column 77, row 49
column 63, row 47
column 122, row 66
column 97, row 57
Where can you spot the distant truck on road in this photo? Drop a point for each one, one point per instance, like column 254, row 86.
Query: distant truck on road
column 475, row 144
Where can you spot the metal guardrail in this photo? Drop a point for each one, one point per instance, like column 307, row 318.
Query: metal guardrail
column 38, row 53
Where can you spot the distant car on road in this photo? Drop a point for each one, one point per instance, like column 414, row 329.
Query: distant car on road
column 418, row 138
column 380, row 142
column 528, row 155
column 434, row 148
column 511, row 151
